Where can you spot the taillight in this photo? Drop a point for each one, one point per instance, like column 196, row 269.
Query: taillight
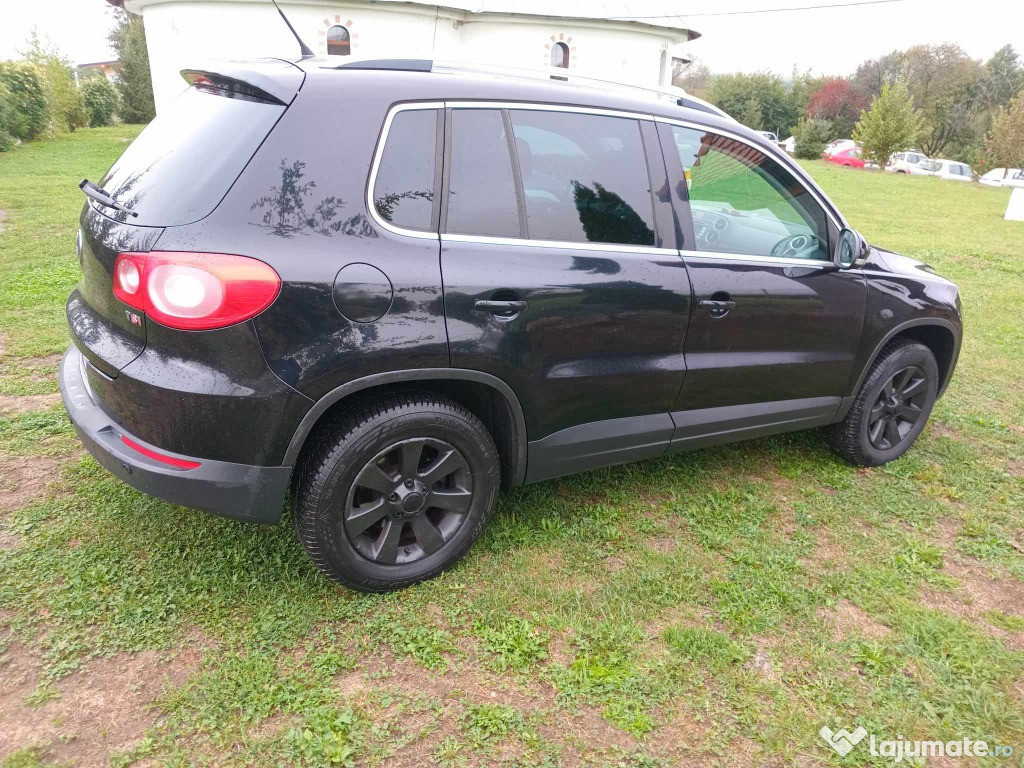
column 195, row 291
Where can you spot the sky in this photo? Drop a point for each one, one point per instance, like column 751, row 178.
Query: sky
column 825, row 41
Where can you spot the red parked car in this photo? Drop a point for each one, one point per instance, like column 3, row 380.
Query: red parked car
column 851, row 158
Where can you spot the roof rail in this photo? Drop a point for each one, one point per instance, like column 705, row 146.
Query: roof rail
column 674, row 94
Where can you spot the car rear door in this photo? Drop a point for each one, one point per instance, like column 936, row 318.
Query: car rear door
column 562, row 278
column 775, row 327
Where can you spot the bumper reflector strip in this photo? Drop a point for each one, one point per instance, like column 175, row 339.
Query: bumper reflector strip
column 170, row 460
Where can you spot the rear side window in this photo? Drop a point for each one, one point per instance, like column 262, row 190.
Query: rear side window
column 403, row 191
column 482, row 190
column 184, row 162
column 584, row 177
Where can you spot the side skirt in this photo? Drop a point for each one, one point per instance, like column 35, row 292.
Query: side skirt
column 617, row 441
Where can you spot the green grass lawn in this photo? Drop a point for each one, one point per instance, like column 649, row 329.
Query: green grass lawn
column 711, row 608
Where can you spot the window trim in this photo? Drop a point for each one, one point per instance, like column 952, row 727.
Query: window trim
column 833, row 214
column 378, row 154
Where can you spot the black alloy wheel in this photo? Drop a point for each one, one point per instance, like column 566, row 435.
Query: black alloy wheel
column 408, row 500
column 898, row 408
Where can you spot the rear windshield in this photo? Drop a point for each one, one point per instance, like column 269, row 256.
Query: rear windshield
column 184, row 162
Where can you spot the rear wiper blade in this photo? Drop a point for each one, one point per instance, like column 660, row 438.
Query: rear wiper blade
column 103, row 197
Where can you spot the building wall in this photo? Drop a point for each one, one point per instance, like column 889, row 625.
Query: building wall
column 184, row 34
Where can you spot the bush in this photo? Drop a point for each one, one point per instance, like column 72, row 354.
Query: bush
column 811, row 137
column 100, row 96
column 67, row 108
column 29, row 108
column 6, row 114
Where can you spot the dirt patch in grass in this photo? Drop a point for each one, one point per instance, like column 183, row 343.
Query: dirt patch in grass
column 23, row 480
column 847, row 620
column 11, row 405
column 979, row 594
column 103, row 708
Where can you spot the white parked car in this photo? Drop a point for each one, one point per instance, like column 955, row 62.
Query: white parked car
column 770, row 136
column 947, row 169
column 907, row 162
column 997, row 176
column 838, row 146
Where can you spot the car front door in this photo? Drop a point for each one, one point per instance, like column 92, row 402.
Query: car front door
column 775, row 327
column 562, row 278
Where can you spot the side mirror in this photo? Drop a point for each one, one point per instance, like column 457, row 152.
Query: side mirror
column 849, row 249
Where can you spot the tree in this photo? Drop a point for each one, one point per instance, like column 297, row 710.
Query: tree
column 1004, row 77
column 811, row 137
column 101, row 99
column 890, row 125
column 872, row 74
column 67, row 110
column 134, row 83
column 759, row 100
column 838, row 102
column 1004, row 146
column 945, row 84
column 694, row 78
column 29, row 107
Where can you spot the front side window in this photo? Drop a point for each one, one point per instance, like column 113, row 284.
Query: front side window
column 403, row 191
column 339, row 43
column 481, row 189
column 744, row 202
column 584, row 177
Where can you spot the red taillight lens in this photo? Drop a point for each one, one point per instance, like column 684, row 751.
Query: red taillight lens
column 195, row 291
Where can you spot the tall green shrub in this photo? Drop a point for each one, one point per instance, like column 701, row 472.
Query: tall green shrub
column 133, row 81
column 101, row 100
column 890, row 125
column 29, row 107
column 6, row 115
column 67, row 109
column 811, row 137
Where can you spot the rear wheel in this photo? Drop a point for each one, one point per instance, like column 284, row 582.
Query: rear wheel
column 396, row 491
column 891, row 408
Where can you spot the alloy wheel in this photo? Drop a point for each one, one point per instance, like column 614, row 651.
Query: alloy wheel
column 898, row 408
column 408, row 501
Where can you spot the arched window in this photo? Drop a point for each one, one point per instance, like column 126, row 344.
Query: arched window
column 338, row 41
column 560, row 55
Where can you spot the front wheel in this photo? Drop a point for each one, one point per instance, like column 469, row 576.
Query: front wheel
column 396, row 491
column 891, row 408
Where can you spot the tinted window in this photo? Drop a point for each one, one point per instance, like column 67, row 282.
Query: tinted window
column 584, row 178
column 745, row 202
column 180, row 167
column 482, row 191
column 403, row 192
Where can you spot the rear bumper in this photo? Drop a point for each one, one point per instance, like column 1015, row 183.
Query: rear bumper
column 238, row 491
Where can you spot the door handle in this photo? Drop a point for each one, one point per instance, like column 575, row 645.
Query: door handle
column 717, row 307
column 504, row 308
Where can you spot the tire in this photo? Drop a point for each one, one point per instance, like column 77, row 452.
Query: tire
column 395, row 491
column 901, row 384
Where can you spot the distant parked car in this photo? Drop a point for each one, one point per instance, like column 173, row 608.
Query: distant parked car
column 851, row 158
column 908, row 162
column 997, row 176
column 947, row 169
column 837, row 146
column 773, row 138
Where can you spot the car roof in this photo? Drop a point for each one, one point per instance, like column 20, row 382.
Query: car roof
column 423, row 80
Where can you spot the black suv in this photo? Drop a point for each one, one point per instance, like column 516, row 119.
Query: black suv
column 391, row 289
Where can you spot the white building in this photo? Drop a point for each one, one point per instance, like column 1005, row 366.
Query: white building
column 626, row 40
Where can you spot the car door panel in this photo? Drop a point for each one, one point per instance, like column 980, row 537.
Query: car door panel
column 773, row 334
column 594, row 345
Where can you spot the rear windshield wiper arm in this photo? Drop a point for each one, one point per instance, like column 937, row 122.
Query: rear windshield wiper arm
column 102, row 197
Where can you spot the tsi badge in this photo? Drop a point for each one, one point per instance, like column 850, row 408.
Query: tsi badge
column 133, row 318
column 842, row 741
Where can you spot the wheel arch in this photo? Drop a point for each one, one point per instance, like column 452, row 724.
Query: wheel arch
column 941, row 336
column 489, row 398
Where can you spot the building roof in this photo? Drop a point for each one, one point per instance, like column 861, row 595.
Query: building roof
column 663, row 14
